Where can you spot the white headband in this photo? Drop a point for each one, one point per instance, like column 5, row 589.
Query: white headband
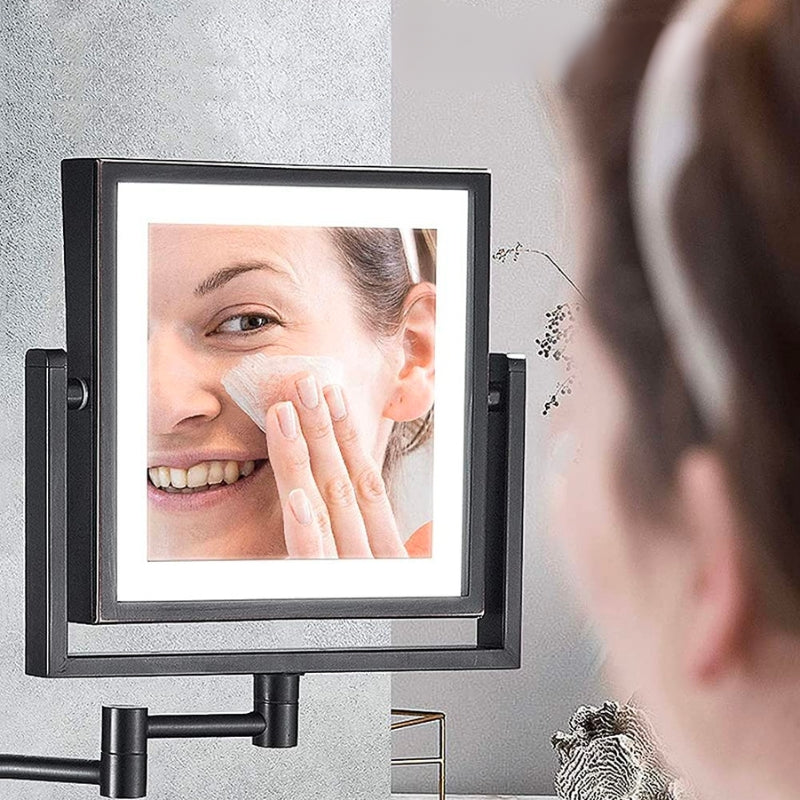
column 412, row 257
column 664, row 137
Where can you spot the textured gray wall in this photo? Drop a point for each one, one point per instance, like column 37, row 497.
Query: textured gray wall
column 470, row 87
column 255, row 80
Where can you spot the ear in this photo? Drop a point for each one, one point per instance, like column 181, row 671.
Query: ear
column 412, row 392
column 720, row 589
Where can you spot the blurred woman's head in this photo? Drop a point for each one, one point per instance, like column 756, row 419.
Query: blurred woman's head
column 221, row 292
column 683, row 528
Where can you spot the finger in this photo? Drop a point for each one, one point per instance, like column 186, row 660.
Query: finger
column 329, row 470
column 288, row 456
column 302, row 534
column 371, row 496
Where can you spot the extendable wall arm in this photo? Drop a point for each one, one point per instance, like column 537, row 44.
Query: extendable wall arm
column 121, row 771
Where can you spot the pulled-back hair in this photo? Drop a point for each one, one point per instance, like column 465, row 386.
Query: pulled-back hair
column 736, row 222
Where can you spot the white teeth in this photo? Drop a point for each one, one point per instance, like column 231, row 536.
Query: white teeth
column 215, row 473
column 177, row 477
column 231, row 472
column 199, row 476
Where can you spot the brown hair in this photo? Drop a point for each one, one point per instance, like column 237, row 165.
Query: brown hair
column 735, row 222
column 378, row 271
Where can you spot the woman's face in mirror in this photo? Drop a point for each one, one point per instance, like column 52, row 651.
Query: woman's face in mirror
column 216, row 294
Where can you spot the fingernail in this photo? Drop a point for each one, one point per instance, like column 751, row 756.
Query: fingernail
column 307, row 389
column 301, row 508
column 336, row 402
column 287, row 419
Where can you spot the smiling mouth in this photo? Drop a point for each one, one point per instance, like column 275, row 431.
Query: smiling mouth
column 202, row 477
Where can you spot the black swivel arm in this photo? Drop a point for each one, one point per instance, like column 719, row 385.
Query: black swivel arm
column 121, row 771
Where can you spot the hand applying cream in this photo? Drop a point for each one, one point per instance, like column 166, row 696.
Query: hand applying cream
column 335, row 503
column 258, row 379
column 334, row 500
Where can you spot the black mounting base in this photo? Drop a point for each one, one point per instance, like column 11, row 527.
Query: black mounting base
column 121, row 770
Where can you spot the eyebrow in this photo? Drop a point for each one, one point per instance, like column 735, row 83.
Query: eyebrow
column 222, row 276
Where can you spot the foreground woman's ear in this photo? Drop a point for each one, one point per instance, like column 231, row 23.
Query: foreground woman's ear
column 412, row 395
column 721, row 592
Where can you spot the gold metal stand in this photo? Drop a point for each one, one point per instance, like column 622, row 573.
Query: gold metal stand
column 420, row 718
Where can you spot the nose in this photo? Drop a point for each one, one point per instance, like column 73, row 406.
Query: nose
column 183, row 385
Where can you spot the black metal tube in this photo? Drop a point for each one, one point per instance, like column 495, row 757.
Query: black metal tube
column 276, row 699
column 195, row 726
column 55, row 770
column 123, row 752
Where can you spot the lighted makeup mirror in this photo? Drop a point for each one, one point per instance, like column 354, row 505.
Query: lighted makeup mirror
column 214, row 308
column 277, row 402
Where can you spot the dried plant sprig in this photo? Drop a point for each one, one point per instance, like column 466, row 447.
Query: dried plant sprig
column 561, row 389
column 504, row 253
column 560, row 327
column 557, row 336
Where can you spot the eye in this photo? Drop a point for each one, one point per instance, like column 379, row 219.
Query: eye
column 246, row 323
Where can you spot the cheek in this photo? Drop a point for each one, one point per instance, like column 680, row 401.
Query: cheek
column 603, row 547
column 338, row 331
column 588, row 537
column 362, row 371
column 584, row 528
column 595, row 540
column 366, row 385
column 583, row 518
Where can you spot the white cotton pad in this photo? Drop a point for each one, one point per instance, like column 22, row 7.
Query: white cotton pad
column 256, row 382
